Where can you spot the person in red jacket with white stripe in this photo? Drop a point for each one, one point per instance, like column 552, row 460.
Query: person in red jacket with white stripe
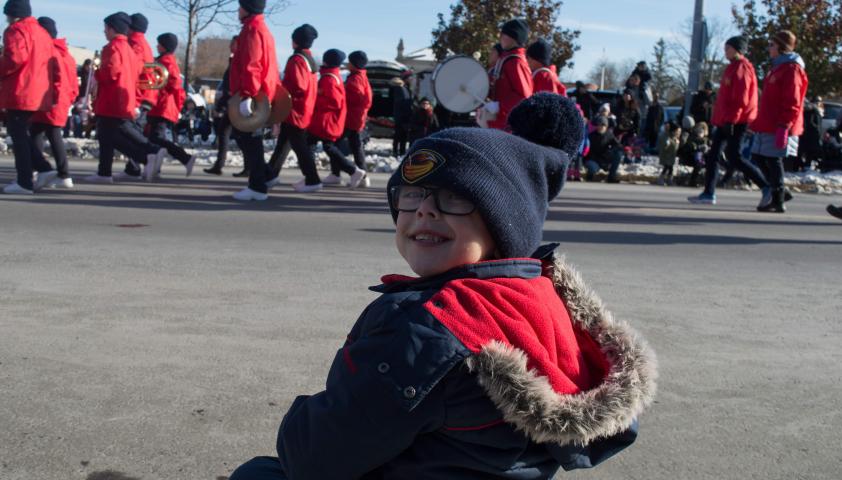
column 736, row 107
column 358, row 99
column 544, row 73
column 300, row 80
column 164, row 115
column 25, row 85
column 780, row 118
column 146, row 98
column 328, row 122
column 254, row 71
column 49, row 124
column 116, row 102
column 511, row 78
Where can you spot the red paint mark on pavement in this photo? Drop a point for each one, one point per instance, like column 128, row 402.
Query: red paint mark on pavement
column 131, row 225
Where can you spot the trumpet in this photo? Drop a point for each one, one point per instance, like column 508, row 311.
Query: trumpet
column 154, row 76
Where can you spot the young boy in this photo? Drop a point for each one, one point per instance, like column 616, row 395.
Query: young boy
column 497, row 362
column 668, row 146
column 604, row 152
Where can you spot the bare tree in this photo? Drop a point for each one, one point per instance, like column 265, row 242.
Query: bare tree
column 616, row 73
column 212, row 54
column 201, row 14
column 713, row 58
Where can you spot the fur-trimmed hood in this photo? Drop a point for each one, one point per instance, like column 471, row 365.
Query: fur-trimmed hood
column 529, row 402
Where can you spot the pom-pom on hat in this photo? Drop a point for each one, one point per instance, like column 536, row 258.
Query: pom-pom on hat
column 541, row 51
column 510, row 178
column 17, row 9
column 49, row 25
column 254, row 7
column 358, row 59
column 517, row 29
column 139, row 23
column 119, row 21
column 333, row 58
column 738, row 43
column 169, row 41
column 304, row 35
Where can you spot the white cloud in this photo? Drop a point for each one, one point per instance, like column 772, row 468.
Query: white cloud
column 618, row 29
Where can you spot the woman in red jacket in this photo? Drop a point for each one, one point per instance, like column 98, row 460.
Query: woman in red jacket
column 358, row 98
column 24, row 85
column 780, row 118
column 328, row 122
column 49, row 124
column 164, row 115
column 544, row 75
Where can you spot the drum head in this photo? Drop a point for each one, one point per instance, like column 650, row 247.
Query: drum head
column 460, row 84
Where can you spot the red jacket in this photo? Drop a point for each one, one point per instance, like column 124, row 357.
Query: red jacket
column 545, row 79
column 358, row 98
column 329, row 117
column 143, row 52
column 512, row 84
column 254, row 67
column 782, row 101
column 25, row 82
column 736, row 102
column 171, row 97
column 117, row 80
column 300, row 81
column 66, row 86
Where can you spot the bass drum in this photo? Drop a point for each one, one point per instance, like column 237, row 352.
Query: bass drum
column 460, row 84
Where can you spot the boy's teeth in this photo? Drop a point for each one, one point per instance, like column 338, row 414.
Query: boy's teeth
column 428, row 238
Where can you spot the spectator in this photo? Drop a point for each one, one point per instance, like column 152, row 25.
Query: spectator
column 810, row 144
column 604, row 111
column 604, row 153
column 401, row 113
column 424, row 121
column 654, row 121
column 668, row 145
column 628, row 124
column 586, row 100
column 701, row 107
column 693, row 148
column 832, row 148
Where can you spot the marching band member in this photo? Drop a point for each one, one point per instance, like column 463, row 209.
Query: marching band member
column 51, row 122
column 511, row 78
column 544, row 74
column 164, row 115
column 116, row 101
column 254, row 70
column 146, row 98
column 328, row 123
column 300, row 81
column 24, row 85
column 358, row 98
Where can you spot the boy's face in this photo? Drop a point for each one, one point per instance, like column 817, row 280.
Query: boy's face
column 602, row 128
column 432, row 242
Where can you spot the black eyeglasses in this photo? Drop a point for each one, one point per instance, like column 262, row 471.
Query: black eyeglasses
column 408, row 198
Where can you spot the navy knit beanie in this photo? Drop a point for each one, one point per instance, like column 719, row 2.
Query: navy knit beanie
column 358, row 59
column 119, row 21
column 738, row 43
column 304, row 35
column 510, row 178
column 518, row 29
column 139, row 23
column 169, row 41
column 541, row 51
column 17, row 8
column 333, row 58
column 49, row 25
column 254, row 7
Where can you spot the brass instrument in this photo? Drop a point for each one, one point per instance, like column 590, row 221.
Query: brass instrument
column 155, row 78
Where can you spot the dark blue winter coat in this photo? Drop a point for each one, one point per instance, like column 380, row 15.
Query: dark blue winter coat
column 413, row 395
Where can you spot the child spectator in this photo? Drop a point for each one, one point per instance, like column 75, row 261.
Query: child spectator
column 667, row 150
column 604, row 152
column 605, row 112
column 693, row 148
column 423, row 122
column 498, row 361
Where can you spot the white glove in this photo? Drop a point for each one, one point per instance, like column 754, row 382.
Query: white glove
column 492, row 107
column 245, row 107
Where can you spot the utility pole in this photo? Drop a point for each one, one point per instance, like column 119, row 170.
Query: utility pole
column 695, row 55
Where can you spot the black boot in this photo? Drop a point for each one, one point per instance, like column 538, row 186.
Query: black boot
column 244, row 173
column 777, row 203
column 787, row 195
column 835, row 211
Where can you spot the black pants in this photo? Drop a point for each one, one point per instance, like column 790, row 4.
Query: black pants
column 295, row 138
column 773, row 171
column 252, row 146
column 399, row 141
column 121, row 134
column 338, row 161
column 41, row 132
column 223, row 136
column 356, row 144
column 666, row 171
column 160, row 133
column 731, row 143
column 17, row 125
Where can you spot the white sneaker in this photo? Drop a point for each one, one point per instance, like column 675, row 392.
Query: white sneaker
column 189, row 165
column 356, row 178
column 248, row 194
column 123, row 176
column 366, row 183
column 273, row 182
column 153, row 164
column 15, row 189
column 331, row 180
column 98, row 179
column 44, row 179
column 66, row 183
column 301, row 187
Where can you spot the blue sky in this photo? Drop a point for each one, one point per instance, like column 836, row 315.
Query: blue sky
column 617, row 29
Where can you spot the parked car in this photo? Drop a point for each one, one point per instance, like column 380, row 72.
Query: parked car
column 831, row 113
column 380, row 73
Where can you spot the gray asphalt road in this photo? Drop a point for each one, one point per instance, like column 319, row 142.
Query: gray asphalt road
column 160, row 331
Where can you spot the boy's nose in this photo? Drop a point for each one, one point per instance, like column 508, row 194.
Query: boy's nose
column 428, row 207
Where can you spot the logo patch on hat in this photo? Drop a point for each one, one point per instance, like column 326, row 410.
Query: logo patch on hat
column 420, row 165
